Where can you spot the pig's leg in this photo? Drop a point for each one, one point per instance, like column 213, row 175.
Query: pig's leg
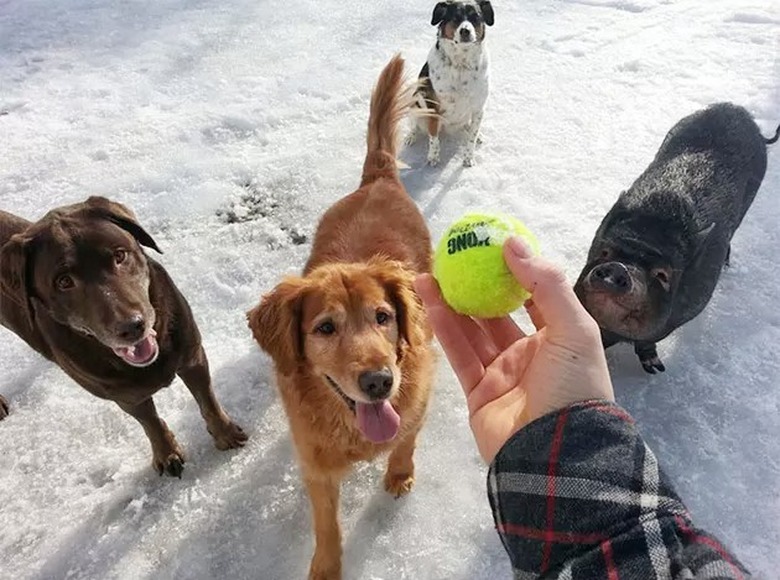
column 608, row 338
column 648, row 356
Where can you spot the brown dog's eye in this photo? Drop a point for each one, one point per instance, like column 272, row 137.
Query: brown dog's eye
column 120, row 256
column 64, row 282
column 382, row 317
column 326, row 328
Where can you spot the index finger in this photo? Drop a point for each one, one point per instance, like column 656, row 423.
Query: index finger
column 553, row 296
column 449, row 330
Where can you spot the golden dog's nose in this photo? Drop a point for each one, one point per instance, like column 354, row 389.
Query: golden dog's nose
column 376, row 384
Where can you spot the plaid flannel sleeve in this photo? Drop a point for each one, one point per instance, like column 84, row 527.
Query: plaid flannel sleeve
column 577, row 494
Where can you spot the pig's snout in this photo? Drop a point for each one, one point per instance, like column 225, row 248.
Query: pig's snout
column 612, row 277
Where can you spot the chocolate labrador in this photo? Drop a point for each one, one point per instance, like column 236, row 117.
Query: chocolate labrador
column 78, row 288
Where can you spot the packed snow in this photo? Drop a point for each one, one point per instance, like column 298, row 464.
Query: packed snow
column 229, row 126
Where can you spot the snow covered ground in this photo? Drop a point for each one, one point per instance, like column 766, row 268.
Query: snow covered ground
column 228, row 126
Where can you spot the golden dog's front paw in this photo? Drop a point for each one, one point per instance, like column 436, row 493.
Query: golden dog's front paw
column 325, row 567
column 398, row 484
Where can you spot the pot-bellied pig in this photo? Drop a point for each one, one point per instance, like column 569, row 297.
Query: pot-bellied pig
column 658, row 254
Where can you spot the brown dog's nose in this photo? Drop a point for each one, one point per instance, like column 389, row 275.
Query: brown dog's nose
column 376, row 384
column 132, row 329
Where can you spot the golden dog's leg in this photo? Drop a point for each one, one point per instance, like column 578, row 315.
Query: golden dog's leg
column 167, row 456
column 324, row 496
column 226, row 434
column 399, row 477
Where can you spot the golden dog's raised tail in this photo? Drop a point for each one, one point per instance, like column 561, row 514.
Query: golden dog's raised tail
column 390, row 102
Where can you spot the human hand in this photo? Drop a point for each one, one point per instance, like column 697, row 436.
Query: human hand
column 510, row 378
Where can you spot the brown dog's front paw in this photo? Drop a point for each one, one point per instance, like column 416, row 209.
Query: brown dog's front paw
column 229, row 436
column 171, row 464
column 325, row 568
column 3, row 408
column 398, row 484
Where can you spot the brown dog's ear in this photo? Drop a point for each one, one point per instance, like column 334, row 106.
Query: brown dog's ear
column 276, row 324
column 123, row 217
column 16, row 274
column 399, row 285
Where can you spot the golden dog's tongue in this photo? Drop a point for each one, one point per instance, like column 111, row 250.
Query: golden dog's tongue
column 378, row 422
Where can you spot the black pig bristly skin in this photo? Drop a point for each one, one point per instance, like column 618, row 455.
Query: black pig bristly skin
column 679, row 215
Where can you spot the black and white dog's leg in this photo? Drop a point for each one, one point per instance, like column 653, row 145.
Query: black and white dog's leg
column 472, row 137
column 434, row 146
column 413, row 132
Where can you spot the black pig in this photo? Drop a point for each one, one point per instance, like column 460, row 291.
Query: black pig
column 657, row 256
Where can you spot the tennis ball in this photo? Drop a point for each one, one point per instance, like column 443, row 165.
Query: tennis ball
column 470, row 269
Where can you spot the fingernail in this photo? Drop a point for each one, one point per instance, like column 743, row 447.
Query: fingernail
column 518, row 247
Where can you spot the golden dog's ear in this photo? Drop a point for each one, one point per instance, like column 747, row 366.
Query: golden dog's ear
column 276, row 324
column 16, row 277
column 123, row 217
column 398, row 282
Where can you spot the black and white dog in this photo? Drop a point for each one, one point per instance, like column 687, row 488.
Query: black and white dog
column 454, row 80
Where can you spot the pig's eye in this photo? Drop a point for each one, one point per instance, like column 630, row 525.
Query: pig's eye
column 605, row 253
column 662, row 275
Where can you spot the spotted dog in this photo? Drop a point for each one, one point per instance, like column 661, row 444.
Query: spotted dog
column 454, row 80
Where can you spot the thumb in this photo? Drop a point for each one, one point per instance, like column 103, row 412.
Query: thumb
column 553, row 296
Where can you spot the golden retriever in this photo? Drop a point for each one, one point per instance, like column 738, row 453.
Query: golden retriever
column 349, row 338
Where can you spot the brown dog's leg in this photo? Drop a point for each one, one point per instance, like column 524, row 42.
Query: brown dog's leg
column 226, row 434
column 324, row 497
column 3, row 408
column 167, row 456
column 399, row 477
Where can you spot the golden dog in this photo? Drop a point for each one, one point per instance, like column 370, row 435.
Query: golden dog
column 349, row 338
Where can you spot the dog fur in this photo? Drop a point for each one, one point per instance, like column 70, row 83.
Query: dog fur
column 354, row 310
column 77, row 287
column 454, row 80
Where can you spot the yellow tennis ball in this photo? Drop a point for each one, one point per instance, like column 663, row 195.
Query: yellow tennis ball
column 470, row 269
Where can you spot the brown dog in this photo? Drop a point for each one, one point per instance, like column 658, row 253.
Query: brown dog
column 349, row 339
column 78, row 288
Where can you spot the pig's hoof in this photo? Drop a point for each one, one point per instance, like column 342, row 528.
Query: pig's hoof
column 653, row 364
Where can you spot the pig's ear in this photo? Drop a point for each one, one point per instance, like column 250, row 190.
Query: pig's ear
column 701, row 239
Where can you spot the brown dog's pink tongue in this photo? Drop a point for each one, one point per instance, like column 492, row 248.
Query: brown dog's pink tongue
column 141, row 352
column 378, row 422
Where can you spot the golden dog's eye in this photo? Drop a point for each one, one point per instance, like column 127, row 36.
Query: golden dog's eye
column 326, row 328
column 120, row 256
column 64, row 282
column 382, row 317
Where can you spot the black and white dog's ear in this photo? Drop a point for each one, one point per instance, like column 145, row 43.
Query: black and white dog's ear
column 487, row 11
column 439, row 12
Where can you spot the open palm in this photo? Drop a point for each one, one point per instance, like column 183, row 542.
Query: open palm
column 510, row 378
